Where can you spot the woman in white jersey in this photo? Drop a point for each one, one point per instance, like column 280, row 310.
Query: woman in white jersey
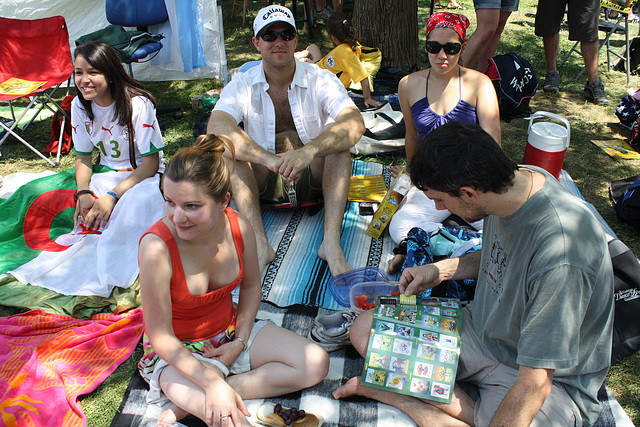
column 114, row 114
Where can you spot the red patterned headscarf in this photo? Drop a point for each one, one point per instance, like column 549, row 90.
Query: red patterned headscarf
column 458, row 23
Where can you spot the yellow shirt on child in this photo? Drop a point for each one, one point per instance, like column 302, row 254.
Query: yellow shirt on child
column 345, row 64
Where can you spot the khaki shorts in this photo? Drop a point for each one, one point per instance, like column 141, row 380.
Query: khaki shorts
column 276, row 189
column 494, row 380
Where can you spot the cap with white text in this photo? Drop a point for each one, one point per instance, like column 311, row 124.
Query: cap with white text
column 270, row 15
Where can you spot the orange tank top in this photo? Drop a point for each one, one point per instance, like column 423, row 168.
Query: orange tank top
column 197, row 317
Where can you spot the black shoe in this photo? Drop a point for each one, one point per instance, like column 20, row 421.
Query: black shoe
column 595, row 93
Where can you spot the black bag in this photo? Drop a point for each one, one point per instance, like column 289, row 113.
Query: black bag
column 122, row 41
column 626, row 324
column 387, row 79
column 515, row 83
column 625, row 194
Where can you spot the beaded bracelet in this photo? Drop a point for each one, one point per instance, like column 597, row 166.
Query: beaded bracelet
column 114, row 195
column 244, row 344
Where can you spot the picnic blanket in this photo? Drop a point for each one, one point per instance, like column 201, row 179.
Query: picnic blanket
column 48, row 360
column 40, row 245
column 344, row 364
column 298, row 276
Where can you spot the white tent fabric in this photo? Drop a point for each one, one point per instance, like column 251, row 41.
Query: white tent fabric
column 89, row 15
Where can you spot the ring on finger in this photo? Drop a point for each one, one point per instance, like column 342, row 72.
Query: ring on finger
column 224, row 416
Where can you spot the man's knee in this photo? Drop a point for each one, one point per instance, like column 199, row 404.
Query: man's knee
column 248, row 181
column 360, row 330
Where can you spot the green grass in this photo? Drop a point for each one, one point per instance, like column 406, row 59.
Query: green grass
column 588, row 165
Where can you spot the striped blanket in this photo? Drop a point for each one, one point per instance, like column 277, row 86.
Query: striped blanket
column 48, row 360
column 345, row 364
column 298, row 276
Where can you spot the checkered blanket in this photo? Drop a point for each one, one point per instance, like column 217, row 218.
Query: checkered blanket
column 345, row 364
column 297, row 281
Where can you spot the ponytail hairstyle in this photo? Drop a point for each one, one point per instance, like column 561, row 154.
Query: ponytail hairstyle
column 103, row 58
column 339, row 26
column 205, row 165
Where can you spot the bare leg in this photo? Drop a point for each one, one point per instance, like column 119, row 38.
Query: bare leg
column 487, row 23
column 359, row 332
column 171, row 415
column 281, row 362
column 245, row 194
column 422, row 412
column 490, row 49
column 311, row 54
column 184, row 393
column 550, row 44
column 590, row 55
column 335, row 184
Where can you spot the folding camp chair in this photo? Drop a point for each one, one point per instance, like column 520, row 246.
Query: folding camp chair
column 35, row 61
column 138, row 45
column 610, row 27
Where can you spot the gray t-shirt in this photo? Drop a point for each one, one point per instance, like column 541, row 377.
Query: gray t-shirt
column 544, row 297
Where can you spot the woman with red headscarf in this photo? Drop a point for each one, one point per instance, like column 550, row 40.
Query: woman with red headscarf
column 444, row 92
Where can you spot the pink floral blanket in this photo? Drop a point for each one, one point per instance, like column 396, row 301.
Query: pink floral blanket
column 48, row 360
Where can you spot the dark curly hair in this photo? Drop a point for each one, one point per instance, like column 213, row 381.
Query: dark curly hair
column 456, row 155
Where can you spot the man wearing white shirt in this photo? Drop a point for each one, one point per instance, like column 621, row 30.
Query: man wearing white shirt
column 298, row 126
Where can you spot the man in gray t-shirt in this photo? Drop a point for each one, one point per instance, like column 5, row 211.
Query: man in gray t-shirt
column 537, row 338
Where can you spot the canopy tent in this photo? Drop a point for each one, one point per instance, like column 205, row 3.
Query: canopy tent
column 193, row 26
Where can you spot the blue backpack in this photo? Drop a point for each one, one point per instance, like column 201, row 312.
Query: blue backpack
column 625, row 194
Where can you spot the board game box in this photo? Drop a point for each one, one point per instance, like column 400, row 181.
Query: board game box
column 414, row 346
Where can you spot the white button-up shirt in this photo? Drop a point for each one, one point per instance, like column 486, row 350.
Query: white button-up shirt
column 316, row 97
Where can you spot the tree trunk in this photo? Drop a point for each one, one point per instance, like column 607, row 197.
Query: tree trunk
column 392, row 26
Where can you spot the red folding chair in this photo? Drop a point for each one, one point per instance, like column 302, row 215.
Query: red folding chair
column 35, row 59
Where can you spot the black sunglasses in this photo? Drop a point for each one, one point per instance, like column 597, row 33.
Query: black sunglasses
column 450, row 48
column 286, row 35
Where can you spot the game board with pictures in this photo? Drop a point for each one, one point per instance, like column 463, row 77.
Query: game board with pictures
column 414, row 346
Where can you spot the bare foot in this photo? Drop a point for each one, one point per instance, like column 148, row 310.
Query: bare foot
column 455, row 5
column 171, row 415
column 350, row 388
column 396, row 263
column 266, row 254
column 335, row 258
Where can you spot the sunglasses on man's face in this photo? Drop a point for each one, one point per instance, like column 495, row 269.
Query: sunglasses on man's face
column 450, row 48
column 286, row 35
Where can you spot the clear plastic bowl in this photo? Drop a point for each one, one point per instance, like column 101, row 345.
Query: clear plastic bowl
column 372, row 290
column 342, row 283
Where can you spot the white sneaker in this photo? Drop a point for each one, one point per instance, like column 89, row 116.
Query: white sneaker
column 331, row 331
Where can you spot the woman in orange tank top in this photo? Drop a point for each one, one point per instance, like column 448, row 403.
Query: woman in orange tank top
column 190, row 262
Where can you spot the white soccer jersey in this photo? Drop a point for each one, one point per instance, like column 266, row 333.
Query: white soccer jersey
column 111, row 139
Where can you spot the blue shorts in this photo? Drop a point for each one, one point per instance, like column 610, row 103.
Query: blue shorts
column 504, row 5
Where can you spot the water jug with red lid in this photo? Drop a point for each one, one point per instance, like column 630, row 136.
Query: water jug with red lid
column 547, row 143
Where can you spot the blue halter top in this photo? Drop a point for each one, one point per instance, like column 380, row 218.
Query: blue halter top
column 425, row 119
